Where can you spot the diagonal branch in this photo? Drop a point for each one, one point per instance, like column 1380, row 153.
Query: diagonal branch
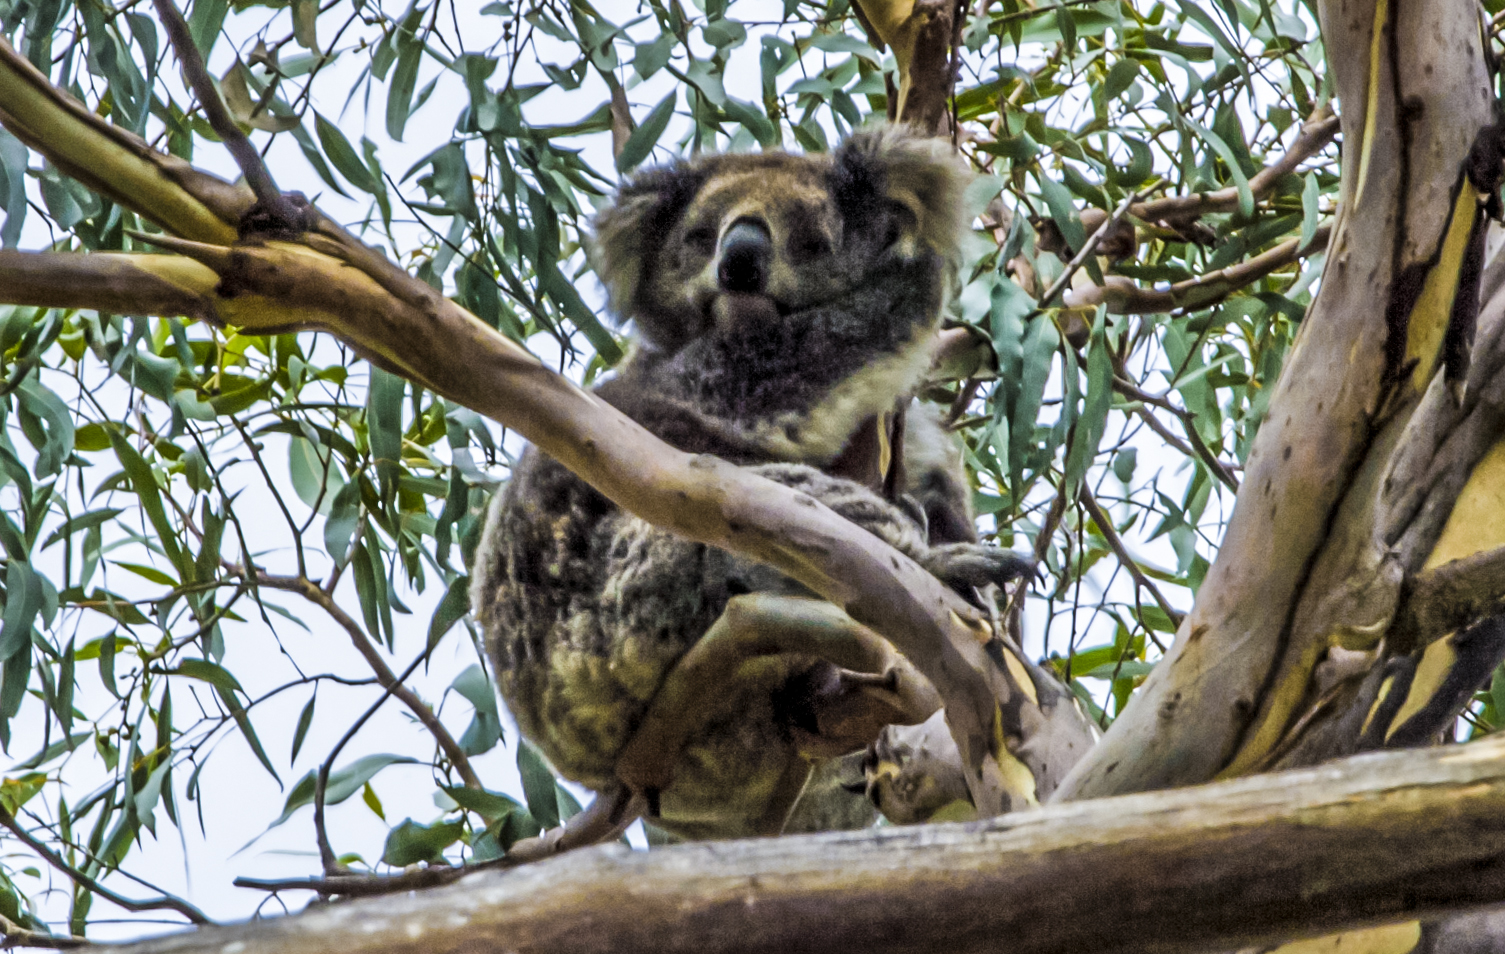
column 1447, row 598
column 1314, row 135
column 1124, row 297
column 114, row 162
column 1125, row 559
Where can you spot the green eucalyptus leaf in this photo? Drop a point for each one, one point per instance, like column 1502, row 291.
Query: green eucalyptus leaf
column 341, row 784
column 538, row 784
column 410, row 842
column 344, row 156
column 1309, row 195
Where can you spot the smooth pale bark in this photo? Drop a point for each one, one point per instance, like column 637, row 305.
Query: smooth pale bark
column 1375, row 838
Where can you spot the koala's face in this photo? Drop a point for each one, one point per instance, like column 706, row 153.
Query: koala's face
column 767, row 236
column 728, row 239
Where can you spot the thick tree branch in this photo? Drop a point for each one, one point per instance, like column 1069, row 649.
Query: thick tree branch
column 1377, row 838
column 921, row 33
column 1449, row 597
column 1299, row 569
column 113, row 162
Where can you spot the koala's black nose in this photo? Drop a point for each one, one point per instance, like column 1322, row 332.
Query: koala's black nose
column 746, row 250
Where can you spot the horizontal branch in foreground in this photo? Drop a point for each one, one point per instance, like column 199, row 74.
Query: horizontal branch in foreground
column 1379, row 837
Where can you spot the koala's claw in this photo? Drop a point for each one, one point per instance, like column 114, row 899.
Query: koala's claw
column 968, row 566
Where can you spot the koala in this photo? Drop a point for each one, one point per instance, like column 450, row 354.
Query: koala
column 784, row 308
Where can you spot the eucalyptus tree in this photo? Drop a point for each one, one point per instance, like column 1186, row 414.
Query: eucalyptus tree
column 1227, row 362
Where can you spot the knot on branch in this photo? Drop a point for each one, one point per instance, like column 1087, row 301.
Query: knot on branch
column 286, row 220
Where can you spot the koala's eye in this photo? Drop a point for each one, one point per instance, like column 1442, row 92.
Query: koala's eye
column 701, row 240
column 896, row 223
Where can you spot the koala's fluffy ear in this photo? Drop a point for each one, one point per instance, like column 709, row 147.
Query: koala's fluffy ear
column 629, row 233
column 919, row 173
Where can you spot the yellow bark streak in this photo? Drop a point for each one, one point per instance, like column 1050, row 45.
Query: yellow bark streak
column 1477, row 522
column 1436, row 662
column 1372, row 106
column 1389, row 939
column 1429, row 319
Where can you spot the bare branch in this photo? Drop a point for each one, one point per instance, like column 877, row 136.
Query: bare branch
column 604, row 819
column 1447, row 598
column 921, row 34
column 1315, row 134
column 1063, row 281
column 310, row 591
column 246, row 157
column 1124, row 297
column 114, row 162
column 13, row 935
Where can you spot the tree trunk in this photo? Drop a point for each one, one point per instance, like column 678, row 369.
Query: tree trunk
column 1328, row 524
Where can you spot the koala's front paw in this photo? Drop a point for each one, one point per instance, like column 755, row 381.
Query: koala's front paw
column 966, row 567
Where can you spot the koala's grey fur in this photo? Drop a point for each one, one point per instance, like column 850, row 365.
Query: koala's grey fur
column 586, row 607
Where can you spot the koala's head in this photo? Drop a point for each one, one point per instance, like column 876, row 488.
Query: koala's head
column 726, row 238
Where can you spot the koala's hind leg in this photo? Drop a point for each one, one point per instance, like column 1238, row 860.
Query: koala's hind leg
column 873, row 686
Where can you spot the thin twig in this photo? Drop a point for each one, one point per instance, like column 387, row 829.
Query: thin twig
column 266, row 475
column 1218, row 468
column 1197, row 448
column 605, row 818
column 310, row 591
column 1123, row 297
column 1116, row 543
column 1042, row 546
column 1166, row 434
column 165, row 902
column 330, row 863
column 220, row 120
